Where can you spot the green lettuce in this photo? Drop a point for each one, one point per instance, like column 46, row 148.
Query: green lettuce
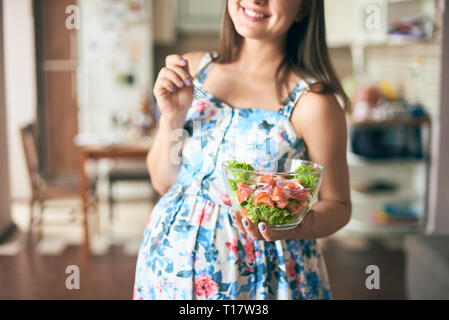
column 307, row 180
column 239, row 176
column 270, row 215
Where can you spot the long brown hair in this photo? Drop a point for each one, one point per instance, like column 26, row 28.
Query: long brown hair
column 307, row 54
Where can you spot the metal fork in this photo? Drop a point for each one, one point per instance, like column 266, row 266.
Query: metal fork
column 199, row 93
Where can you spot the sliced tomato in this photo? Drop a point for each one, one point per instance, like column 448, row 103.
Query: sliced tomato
column 243, row 192
column 296, row 209
column 302, row 196
column 291, row 185
column 278, row 194
column 268, row 179
column 284, row 175
column 282, row 204
column 263, row 198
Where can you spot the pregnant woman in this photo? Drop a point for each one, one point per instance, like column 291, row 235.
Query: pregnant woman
column 270, row 93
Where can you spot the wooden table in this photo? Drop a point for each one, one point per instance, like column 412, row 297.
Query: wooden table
column 97, row 152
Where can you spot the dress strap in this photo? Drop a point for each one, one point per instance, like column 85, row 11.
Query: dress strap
column 294, row 96
column 205, row 65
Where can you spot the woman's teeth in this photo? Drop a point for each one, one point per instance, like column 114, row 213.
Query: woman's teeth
column 253, row 14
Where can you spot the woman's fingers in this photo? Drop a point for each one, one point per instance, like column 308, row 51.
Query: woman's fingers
column 271, row 235
column 181, row 66
column 183, row 74
column 251, row 229
column 266, row 232
column 163, row 86
column 295, row 233
column 245, row 226
column 238, row 222
column 171, row 75
column 263, row 232
column 176, row 60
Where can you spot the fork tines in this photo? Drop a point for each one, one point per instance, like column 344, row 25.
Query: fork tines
column 199, row 93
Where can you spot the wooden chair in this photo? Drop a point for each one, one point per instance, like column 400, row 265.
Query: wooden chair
column 43, row 188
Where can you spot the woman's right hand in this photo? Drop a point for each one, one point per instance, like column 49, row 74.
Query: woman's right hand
column 174, row 88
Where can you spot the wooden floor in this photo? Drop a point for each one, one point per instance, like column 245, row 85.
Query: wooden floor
column 347, row 270
column 29, row 275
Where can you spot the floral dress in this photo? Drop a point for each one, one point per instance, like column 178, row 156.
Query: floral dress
column 191, row 248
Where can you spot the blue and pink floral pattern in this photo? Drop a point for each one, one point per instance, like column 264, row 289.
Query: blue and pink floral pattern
column 191, row 248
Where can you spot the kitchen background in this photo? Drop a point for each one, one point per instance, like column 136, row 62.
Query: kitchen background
column 88, row 92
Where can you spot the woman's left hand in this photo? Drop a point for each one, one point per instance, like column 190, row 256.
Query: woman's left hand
column 263, row 232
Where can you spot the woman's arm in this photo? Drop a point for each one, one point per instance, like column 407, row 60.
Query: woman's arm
column 163, row 170
column 321, row 122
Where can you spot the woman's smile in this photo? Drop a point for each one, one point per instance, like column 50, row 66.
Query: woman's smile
column 254, row 15
column 263, row 19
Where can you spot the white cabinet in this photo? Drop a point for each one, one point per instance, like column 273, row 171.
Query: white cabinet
column 200, row 16
column 340, row 22
column 355, row 21
column 367, row 21
column 187, row 17
column 164, row 21
column 371, row 21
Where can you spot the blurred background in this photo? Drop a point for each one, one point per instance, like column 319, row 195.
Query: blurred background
column 77, row 118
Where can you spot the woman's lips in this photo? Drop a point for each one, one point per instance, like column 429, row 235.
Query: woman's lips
column 254, row 15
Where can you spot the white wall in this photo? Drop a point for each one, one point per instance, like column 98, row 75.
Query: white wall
column 5, row 208
column 439, row 184
column 20, row 78
column 395, row 63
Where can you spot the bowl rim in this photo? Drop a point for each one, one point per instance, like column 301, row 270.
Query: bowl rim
column 306, row 162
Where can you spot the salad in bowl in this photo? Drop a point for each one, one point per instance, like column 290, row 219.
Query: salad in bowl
column 280, row 199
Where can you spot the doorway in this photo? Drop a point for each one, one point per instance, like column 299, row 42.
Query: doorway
column 56, row 57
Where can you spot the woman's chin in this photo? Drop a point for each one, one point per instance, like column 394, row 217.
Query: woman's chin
column 253, row 34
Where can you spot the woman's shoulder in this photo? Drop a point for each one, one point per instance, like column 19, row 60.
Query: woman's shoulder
column 313, row 93
column 194, row 59
column 317, row 109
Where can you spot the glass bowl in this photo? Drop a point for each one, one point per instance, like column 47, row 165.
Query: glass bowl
column 280, row 199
